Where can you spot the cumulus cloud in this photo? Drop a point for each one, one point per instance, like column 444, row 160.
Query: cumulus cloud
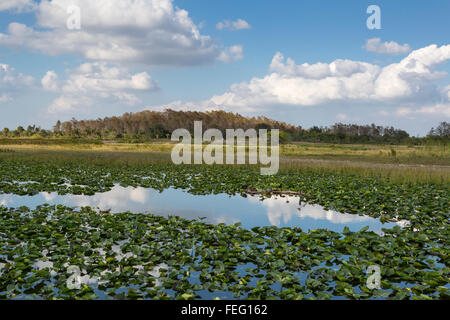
column 446, row 92
column 440, row 109
column 392, row 47
column 231, row 54
column 5, row 98
column 50, row 81
column 239, row 24
column 18, row 5
column 343, row 80
column 97, row 80
column 305, row 84
column 337, row 68
column 288, row 83
column 150, row 32
column 437, row 110
column 413, row 74
column 68, row 103
column 101, row 77
column 10, row 78
column 11, row 81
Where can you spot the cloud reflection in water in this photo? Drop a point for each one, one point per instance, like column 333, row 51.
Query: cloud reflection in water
column 221, row 208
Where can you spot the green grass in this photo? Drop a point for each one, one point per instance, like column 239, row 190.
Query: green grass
column 388, row 154
column 396, row 154
column 160, row 153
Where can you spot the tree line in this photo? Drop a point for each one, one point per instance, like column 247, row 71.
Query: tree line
column 147, row 125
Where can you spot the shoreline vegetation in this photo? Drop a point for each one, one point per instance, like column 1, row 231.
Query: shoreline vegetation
column 133, row 134
column 146, row 126
column 400, row 162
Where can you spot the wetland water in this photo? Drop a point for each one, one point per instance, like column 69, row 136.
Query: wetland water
column 251, row 211
column 221, row 208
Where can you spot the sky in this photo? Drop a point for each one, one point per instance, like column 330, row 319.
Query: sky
column 303, row 62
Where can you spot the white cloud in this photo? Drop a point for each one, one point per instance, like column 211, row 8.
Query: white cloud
column 410, row 80
column 446, row 92
column 10, row 78
column 101, row 77
column 5, row 98
column 440, row 109
column 304, row 85
column 11, row 81
column 68, row 103
column 413, row 74
column 392, row 47
column 50, row 81
column 337, row 68
column 150, row 32
column 403, row 111
column 342, row 117
column 97, row 80
column 127, row 98
column 139, row 195
column 344, row 80
column 18, row 5
column 239, row 24
column 231, row 54
column 436, row 110
column 118, row 199
column 284, row 210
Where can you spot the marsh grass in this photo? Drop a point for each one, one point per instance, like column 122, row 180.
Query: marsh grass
column 404, row 154
column 113, row 154
column 401, row 154
column 395, row 173
column 401, row 163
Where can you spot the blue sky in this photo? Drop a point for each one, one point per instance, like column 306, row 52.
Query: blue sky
column 129, row 56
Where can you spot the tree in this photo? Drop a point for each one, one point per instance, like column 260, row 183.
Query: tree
column 442, row 130
column 66, row 128
column 57, row 127
column 20, row 130
column 30, row 130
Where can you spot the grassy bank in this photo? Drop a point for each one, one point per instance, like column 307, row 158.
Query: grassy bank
column 438, row 154
column 419, row 163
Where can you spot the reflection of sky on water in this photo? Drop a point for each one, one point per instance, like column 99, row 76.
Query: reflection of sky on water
column 251, row 211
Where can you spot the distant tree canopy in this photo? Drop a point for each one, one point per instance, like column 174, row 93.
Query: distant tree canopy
column 443, row 130
column 353, row 133
column 155, row 124
column 146, row 125
column 31, row 131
